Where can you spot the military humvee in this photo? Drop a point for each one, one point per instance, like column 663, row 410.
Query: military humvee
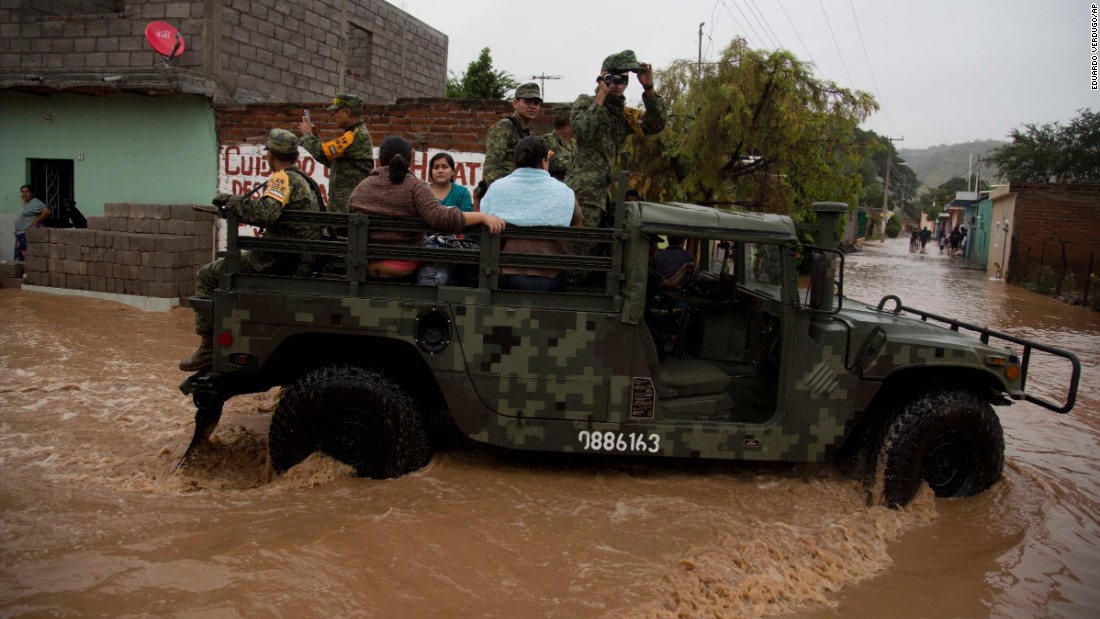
column 740, row 363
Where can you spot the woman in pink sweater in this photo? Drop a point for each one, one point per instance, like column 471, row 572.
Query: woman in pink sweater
column 390, row 190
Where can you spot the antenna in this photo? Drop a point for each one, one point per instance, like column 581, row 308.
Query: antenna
column 165, row 40
column 542, row 81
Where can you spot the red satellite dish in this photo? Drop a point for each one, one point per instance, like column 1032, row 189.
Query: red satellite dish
column 165, row 39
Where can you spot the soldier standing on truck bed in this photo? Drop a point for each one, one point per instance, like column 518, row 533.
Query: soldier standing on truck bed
column 288, row 189
column 350, row 157
column 601, row 125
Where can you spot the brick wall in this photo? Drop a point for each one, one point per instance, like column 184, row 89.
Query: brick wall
column 133, row 249
column 236, row 50
column 437, row 123
column 1048, row 215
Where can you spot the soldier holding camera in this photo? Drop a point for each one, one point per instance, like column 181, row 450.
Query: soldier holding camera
column 601, row 125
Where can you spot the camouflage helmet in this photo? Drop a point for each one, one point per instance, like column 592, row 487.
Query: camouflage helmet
column 346, row 100
column 281, row 142
column 621, row 62
column 530, row 90
column 563, row 111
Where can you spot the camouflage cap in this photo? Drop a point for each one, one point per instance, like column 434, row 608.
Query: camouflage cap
column 348, row 100
column 530, row 90
column 563, row 111
column 282, row 142
column 620, row 62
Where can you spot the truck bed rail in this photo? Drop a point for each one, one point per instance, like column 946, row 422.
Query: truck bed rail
column 985, row 334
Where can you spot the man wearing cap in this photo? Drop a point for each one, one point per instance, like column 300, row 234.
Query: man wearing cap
column 288, row 188
column 350, row 157
column 561, row 142
column 500, row 144
column 601, row 125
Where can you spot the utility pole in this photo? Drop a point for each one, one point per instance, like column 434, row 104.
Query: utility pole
column 699, row 66
column 542, row 80
column 886, row 186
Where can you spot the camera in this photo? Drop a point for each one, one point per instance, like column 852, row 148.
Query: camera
column 611, row 78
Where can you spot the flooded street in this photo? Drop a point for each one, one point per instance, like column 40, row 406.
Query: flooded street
column 94, row 523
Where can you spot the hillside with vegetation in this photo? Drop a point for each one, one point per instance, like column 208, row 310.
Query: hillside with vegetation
column 938, row 164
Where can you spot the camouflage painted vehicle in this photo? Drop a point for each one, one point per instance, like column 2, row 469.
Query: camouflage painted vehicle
column 739, row 364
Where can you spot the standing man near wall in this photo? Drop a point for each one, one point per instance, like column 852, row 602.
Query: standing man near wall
column 349, row 157
column 500, row 144
column 32, row 215
column 561, row 142
column 601, row 125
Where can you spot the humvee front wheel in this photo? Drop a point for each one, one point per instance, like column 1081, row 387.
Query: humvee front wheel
column 948, row 438
column 358, row 417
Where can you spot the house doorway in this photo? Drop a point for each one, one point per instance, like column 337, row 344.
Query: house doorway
column 51, row 180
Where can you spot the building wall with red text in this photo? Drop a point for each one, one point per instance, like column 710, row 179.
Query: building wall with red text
column 457, row 126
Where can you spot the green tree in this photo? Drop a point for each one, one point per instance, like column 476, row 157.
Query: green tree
column 481, row 81
column 1053, row 153
column 756, row 130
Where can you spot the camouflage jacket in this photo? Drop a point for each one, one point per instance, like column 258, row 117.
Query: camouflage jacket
column 350, row 159
column 286, row 190
column 600, row 132
column 500, row 147
column 563, row 154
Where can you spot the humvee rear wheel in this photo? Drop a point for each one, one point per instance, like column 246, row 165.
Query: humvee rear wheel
column 358, row 417
column 948, row 438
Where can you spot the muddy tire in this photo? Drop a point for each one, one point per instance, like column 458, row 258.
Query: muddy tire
column 948, row 438
column 358, row 417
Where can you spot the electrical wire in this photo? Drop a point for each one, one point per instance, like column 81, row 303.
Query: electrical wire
column 882, row 104
column 835, row 43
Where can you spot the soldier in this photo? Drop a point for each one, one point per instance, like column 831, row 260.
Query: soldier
column 287, row 189
column 350, row 157
column 500, row 144
column 601, row 124
column 561, row 141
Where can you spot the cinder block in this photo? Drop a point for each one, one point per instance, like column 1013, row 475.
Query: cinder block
column 164, row 259
column 147, row 274
column 12, row 269
column 166, row 290
column 99, row 223
column 38, row 235
column 143, row 242
column 33, row 263
column 11, row 282
column 184, row 212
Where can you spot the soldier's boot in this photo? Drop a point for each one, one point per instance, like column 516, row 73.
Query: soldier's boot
column 203, row 357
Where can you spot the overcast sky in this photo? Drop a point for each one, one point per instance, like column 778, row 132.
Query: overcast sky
column 943, row 71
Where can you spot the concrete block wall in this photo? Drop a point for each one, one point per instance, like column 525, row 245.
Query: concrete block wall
column 11, row 274
column 133, row 249
column 236, row 50
column 89, row 35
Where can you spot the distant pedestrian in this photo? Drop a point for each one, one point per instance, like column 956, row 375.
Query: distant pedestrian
column 956, row 238
column 924, row 235
column 32, row 215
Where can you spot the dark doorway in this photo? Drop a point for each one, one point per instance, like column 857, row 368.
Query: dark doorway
column 51, row 180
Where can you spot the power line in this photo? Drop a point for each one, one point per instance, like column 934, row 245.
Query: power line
column 835, row 43
column 869, row 69
column 810, row 56
column 752, row 6
column 767, row 36
column 724, row 6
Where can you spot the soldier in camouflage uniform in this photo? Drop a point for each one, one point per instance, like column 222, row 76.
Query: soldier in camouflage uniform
column 500, row 144
column 561, row 142
column 349, row 157
column 601, row 125
column 287, row 189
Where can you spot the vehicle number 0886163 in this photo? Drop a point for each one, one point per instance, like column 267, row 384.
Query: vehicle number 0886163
column 619, row 441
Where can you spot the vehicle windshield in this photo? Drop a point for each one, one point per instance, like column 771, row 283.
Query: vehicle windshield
column 764, row 268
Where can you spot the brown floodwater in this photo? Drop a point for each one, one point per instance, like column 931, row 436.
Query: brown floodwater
column 94, row 523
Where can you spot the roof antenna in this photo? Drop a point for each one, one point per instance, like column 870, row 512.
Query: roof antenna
column 165, row 40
